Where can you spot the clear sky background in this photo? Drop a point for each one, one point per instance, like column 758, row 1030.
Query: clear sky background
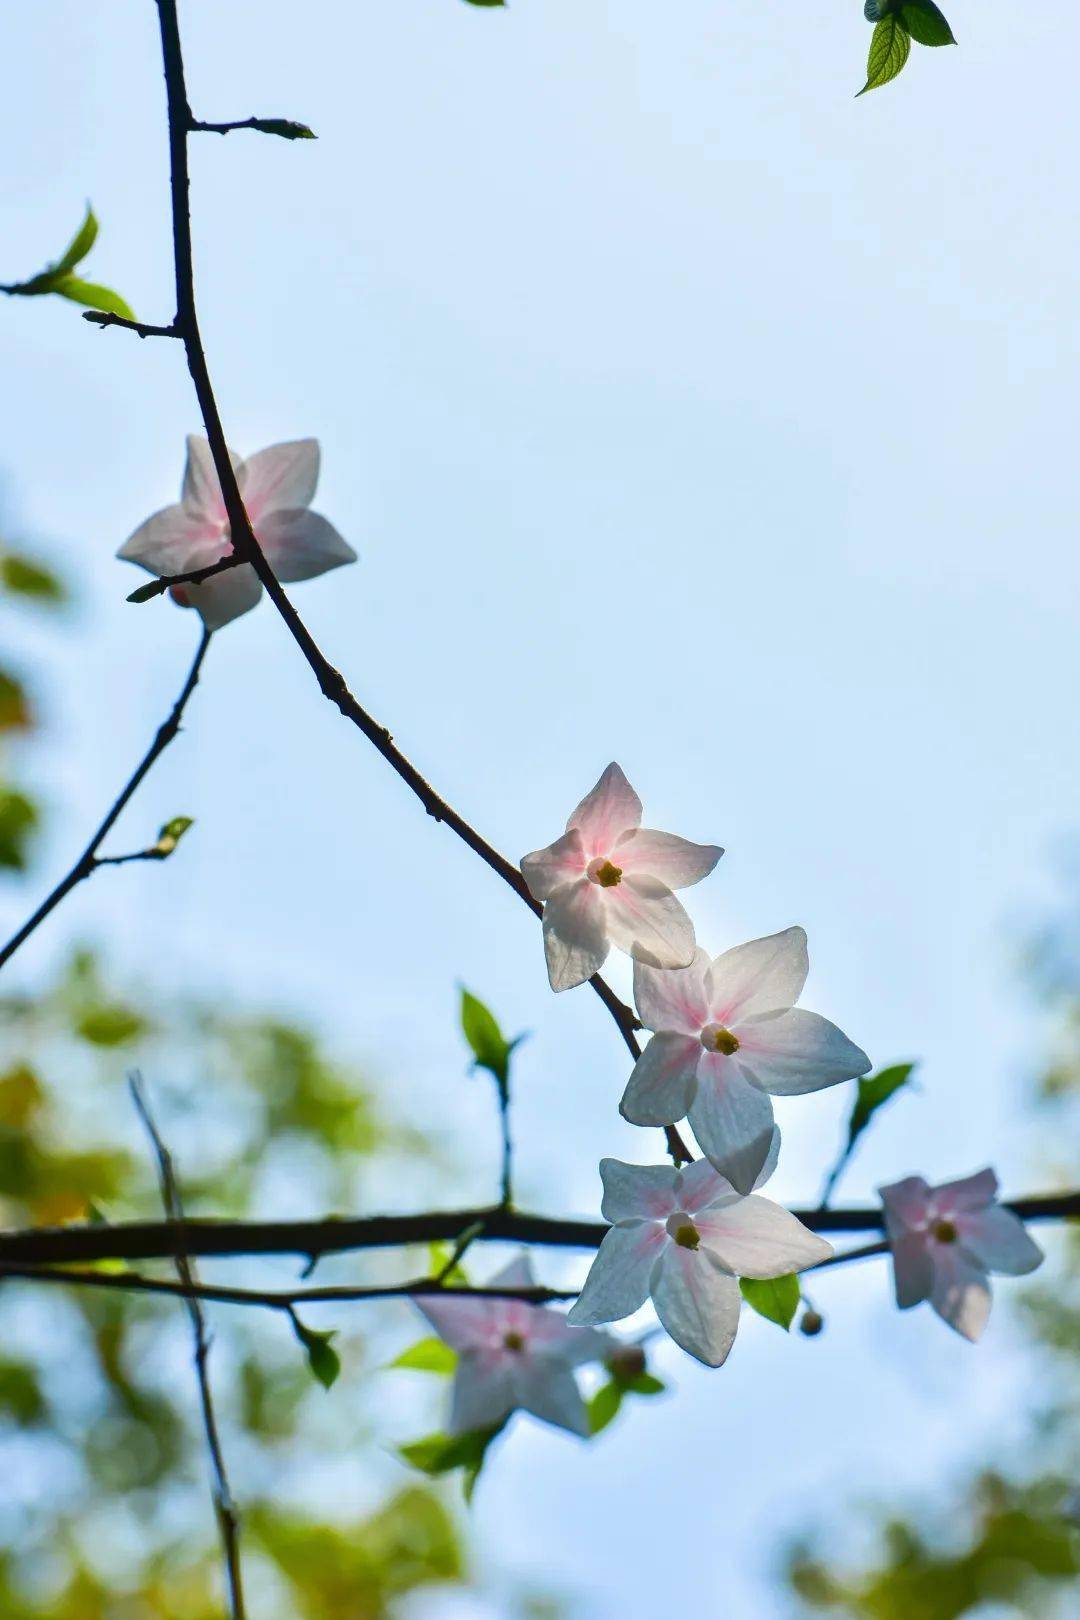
column 685, row 411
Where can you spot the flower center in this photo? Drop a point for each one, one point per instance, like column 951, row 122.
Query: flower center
column 682, row 1229
column 513, row 1341
column 602, row 872
column 716, row 1038
column 944, row 1231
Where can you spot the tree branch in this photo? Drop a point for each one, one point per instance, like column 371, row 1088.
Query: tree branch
column 246, row 547
column 150, row 1240
column 98, row 317
column 89, row 861
column 189, row 1289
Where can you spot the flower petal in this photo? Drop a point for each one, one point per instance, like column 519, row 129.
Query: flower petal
column 618, row 1280
column 200, row 493
column 961, row 1292
column 172, row 542
column 222, row 598
column 301, row 544
column 608, row 810
column 575, row 934
column 732, row 1120
column 790, row 1053
column 699, row 1185
column 550, row 1393
column 998, row 1240
column 697, row 1302
column 761, row 976
column 637, row 1191
column 906, row 1205
column 676, row 998
column 675, row 861
column 483, row 1393
column 970, row 1192
column 545, row 870
column 464, row 1323
column 663, row 1080
column 756, row 1238
column 645, row 920
column 517, row 1273
column 282, row 475
column 913, row 1269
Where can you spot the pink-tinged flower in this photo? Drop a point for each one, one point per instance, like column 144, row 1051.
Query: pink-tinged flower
column 608, row 881
column 727, row 1033
column 513, row 1355
column 945, row 1240
column 278, row 486
column 683, row 1238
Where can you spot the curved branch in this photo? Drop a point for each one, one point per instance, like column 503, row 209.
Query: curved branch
column 89, row 861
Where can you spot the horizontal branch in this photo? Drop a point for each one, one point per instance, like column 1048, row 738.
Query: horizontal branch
column 157, row 1240
column 99, row 317
column 194, row 576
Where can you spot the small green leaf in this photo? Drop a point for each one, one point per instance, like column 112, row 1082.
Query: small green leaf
column 89, row 293
column 485, row 2
column 428, row 1355
column 777, row 1298
column 171, row 834
column 438, row 1256
column 21, row 577
column 15, row 711
column 926, row 23
column 443, row 1453
column 109, row 1025
column 644, row 1384
column 323, row 1359
column 604, row 1405
column 874, row 1090
column 287, row 128
column 79, row 246
column 490, row 1048
column 18, row 818
column 889, row 48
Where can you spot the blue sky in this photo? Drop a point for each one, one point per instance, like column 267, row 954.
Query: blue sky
column 684, row 411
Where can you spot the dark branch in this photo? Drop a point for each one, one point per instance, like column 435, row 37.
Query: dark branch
column 331, row 682
column 196, row 576
column 150, row 1240
column 98, row 317
column 228, row 1522
column 89, row 861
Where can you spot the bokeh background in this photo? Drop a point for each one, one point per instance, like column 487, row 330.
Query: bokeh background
column 684, row 411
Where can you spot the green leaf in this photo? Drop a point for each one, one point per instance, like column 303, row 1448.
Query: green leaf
column 490, row 1048
column 604, row 1405
column 438, row 1256
column 171, row 834
column 287, row 128
column 443, row 1453
column 15, row 711
column 323, row 1359
column 889, row 50
column 874, row 1090
column 644, row 1384
column 776, row 1299
column 89, row 293
column 79, row 246
column 926, row 23
column 485, row 2
column 110, row 1025
column 21, row 577
column 428, row 1355
column 874, row 10
column 18, row 818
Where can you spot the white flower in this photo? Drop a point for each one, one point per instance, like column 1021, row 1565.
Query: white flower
column 727, row 1034
column 278, row 486
column 512, row 1355
column 608, row 881
column 683, row 1238
column 945, row 1240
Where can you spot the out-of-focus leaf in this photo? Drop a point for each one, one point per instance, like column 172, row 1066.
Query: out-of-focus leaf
column 21, row 1097
column 428, row 1355
column 15, row 712
column 171, row 834
column 93, row 295
column 80, row 244
column 889, row 50
column 644, row 1384
column 775, row 1298
column 925, row 22
column 110, row 1024
column 21, row 576
column 18, row 819
column 489, row 3
column 444, row 1453
column 439, row 1256
column 604, row 1405
column 875, row 1090
column 323, row 1359
column 20, row 1393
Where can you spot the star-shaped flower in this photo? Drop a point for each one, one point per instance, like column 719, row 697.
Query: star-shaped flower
column 684, row 1238
column 945, row 1240
column 728, row 1034
column 513, row 1355
column 608, row 881
column 278, row 486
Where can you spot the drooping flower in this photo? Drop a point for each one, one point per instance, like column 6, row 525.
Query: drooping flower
column 608, row 881
column 727, row 1033
column 278, row 486
column 946, row 1240
column 513, row 1355
column 683, row 1238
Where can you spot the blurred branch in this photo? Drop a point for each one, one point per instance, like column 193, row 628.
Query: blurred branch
column 149, row 1240
column 89, row 861
column 228, row 1522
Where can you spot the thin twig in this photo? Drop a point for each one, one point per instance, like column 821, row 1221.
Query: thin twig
column 228, row 1521
column 99, row 317
column 150, row 1240
column 194, row 576
column 89, row 861
column 331, row 682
